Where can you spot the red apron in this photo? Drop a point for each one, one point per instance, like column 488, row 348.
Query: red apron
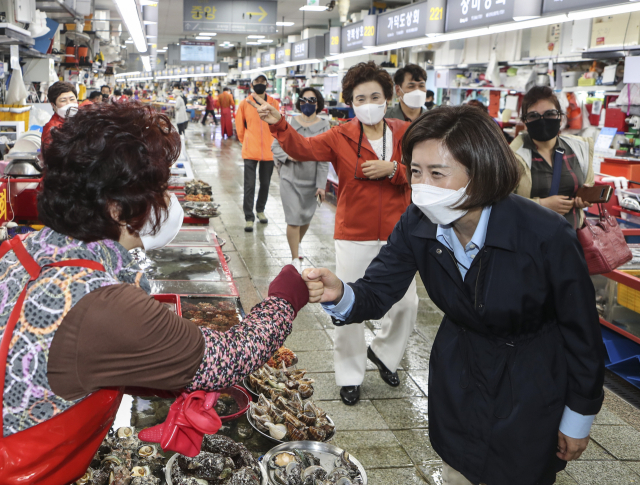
column 226, row 127
column 57, row 451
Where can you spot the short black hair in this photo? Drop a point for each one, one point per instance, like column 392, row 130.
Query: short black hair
column 226, row 89
column 417, row 74
column 430, row 94
column 117, row 92
column 57, row 89
column 317, row 94
column 95, row 95
column 538, row 93
column 128, row 92
column 474, row 140
column 105, row 86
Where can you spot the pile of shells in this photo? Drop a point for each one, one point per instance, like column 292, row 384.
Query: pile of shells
column 281, row 382
column 290, row 419
column 303, row 468
column 123, row 459
column 222, row 461
column 197, row 187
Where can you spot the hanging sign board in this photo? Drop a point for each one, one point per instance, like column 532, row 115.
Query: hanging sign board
column 359, row 34
column 553, row 6
column 283, row 54
column 266, row 59
column 247, row 62
column 300, row 50
column 238, row 16
column 222, row 68
column 272, row 56
column 253, row 62
column 411, row 22
column 199, row 69
column 334, row 36
column 208, row 68
column 469, row 14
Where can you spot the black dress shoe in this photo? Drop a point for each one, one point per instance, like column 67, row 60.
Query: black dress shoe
column 350, row 394
column 389, row 377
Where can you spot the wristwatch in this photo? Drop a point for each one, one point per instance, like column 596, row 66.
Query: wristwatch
column 395, row 168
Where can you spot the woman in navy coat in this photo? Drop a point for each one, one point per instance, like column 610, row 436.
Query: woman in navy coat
column 516, row 370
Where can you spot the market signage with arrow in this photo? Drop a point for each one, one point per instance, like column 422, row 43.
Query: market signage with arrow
column 253, row 16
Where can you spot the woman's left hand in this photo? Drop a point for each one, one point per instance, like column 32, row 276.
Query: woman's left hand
column 570, row 448
column 581, row 204
column 377, row 169
column 321, row 193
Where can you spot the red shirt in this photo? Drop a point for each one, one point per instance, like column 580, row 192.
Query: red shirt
column 54, row 122
column 210, row 106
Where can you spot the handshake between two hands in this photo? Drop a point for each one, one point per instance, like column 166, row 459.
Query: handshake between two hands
column 323, row 285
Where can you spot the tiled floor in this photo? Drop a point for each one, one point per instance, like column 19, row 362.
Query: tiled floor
column 388, row 430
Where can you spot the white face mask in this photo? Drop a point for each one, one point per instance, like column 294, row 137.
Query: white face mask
column 414, row 99
column 168, row 229
column 370, row 114
column 435, row 202
column 68, row 110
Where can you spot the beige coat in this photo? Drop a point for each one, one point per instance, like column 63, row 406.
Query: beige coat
column 582, row 147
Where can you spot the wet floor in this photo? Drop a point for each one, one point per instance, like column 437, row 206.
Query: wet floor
column 388, row 429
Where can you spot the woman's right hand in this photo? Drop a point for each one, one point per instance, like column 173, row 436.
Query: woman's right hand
column 323, row 285
column 557, row 203
column 267, row 113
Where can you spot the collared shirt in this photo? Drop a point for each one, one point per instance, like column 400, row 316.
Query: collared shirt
column 465, row 256
column 573, row 425
column 397, row 113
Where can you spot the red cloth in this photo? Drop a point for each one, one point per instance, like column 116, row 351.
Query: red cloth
column 190, row 417
column 226, row 124
column 290, row 286
column 86, row 102
column 367, row 210
column 210, row 103
column 54, row 122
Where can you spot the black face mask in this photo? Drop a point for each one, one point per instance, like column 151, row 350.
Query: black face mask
column 259, row 88
column 429, row 104
column 543, row 129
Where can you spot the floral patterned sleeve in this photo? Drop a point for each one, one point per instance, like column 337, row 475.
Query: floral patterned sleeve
column 232, row 355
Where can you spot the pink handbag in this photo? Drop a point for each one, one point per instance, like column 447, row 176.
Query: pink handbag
column 190, row 417
column 603, row 243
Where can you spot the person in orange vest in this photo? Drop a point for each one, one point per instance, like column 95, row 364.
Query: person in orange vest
column 227, row 110
column 256, row 142
column 64, row 101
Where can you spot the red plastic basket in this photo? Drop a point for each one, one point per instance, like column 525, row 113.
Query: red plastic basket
column 242, row 397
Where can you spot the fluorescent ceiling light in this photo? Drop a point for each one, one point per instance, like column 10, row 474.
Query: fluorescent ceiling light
column 285, row 24
column 202, row 37
column 604, row 11
column 210, row 34
column 528, row 24
column 146, row 62
column 255, row 36
column 314, row 8
column 128, row 42
column 278, row 66
column 132, row 73
column 130, row 14
column 253, row 43
column 149, row 22
column 265, row 41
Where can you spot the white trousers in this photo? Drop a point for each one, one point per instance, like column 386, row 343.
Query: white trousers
column 350, row 348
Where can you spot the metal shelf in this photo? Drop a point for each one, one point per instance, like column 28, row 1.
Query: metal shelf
column 58, row 10
column 579, row 89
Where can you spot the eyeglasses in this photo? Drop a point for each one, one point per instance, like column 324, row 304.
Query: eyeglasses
column 310, row 100
column 552, row 114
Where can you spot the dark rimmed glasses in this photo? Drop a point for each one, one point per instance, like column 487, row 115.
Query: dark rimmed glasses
column 552, row 114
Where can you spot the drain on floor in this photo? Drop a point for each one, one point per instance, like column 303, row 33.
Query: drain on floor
column 622, row 388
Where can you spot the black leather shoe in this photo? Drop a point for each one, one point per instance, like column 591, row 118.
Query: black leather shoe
column 389, row 377
column 350, row 395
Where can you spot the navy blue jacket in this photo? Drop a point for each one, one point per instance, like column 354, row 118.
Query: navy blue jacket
column 520, row 338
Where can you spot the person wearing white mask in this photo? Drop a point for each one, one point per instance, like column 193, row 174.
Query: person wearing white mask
column 516, row 370
column 411, row 91
column 77, row 305
column 64, row 101
column 374, row 193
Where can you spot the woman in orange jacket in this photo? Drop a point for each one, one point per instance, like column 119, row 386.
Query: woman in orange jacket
column 374, row 193
column 256, row 150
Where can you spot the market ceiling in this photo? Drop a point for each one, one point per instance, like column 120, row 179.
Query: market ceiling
column 170, row 19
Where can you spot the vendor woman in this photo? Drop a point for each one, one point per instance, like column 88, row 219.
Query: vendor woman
column 64, row 101
column 76, row 318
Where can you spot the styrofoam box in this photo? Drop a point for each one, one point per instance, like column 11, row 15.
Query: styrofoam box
column 570, row 78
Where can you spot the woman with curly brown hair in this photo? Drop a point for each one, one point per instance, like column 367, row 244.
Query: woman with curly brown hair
column 77, row 323
column 374, row 193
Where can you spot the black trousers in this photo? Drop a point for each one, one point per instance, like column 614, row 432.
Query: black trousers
column 206, row 113
column 264, row 172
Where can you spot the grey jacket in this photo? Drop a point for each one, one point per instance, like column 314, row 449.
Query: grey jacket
column 302, row 172
column 396, row 112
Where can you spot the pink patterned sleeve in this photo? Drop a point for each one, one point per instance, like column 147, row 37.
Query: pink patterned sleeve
column 232, row 355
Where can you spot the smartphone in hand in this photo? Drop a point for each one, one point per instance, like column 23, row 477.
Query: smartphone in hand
column 319, row 199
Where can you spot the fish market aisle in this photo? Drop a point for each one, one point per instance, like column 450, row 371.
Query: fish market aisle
column 388, row 429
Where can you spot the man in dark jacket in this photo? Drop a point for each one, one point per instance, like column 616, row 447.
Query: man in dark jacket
column 411, row 91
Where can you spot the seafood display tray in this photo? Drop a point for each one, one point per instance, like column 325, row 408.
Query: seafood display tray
column 201, row 288
column 189, row 236
column 190, row 263
column 269, row 437
column 233, row 301
column 327, row 453
column 264, row 478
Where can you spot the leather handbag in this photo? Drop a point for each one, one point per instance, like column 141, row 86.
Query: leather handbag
column 603, row 243
column 190, row 417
